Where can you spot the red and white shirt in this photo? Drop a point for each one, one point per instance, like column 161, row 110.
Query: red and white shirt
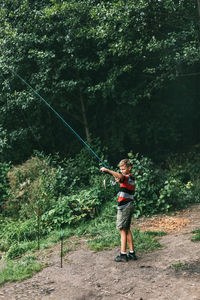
column 126, row 191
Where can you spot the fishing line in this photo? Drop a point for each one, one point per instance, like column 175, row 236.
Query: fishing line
column 89, row 148
column 24, row 117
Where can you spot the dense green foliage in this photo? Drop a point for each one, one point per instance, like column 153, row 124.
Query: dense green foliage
column 130, row 66
column 159, row 190
column 4, row 168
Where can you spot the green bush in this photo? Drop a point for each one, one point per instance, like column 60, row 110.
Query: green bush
column 195, row 191
column 72, row 209
column 149, row 180
column 32, row 187
column 13, row 232
column 185, row 166
column 76, row 172
column 159, row 190
column 17, row 249
column 175, row 195
column 4, row 188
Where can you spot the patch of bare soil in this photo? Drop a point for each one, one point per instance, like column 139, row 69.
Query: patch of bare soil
column 172, row 272
column 164, row 223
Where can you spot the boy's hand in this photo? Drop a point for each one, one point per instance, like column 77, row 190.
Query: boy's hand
column 103, row 169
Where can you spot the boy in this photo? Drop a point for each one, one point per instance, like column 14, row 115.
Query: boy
column 125, row 207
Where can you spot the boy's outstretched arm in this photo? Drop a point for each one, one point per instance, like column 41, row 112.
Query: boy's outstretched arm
column 113, row 173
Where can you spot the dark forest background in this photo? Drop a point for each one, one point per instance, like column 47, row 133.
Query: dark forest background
column 124, row 74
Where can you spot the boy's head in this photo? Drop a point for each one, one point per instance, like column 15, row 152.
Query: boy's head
column 125, row 162
column 125, row 166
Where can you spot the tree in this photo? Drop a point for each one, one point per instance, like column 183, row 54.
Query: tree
column 53, row 50
column 98, row 62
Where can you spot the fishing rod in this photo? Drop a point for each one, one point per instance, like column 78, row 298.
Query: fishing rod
column 66, row 124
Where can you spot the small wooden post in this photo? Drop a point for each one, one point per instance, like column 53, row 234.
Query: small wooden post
column 61, row 249
column 38, row 227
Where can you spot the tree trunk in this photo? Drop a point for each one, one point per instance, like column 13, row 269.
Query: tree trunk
column 198, row 6
column 50, row 127
column 85, row 122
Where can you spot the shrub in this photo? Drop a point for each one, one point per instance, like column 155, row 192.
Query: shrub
column 17, row 249
column 149, row 180
column 72, row 209
column 31, row 188
column 4, row 188
column 195, row 191
column 76, row 172
column 185, row 166
column 13, row 232
column 174, row 195
column 158, row 190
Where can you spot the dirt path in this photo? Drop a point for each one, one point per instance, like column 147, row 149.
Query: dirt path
column 89, row 275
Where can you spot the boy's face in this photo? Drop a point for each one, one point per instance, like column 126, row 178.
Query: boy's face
column 125, row 170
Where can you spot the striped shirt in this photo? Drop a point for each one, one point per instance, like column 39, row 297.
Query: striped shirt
column 126, row 190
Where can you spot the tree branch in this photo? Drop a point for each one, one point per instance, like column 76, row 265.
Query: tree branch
column 189, row 74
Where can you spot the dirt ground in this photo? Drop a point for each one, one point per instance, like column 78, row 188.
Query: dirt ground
column 89, row 275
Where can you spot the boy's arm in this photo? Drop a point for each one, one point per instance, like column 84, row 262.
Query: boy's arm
column 113, row 173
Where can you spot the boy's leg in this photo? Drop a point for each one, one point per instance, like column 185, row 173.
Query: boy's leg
column 131, row 255
column 130, row 240
column 123, row 255
column 122, row 219
column 123, row 240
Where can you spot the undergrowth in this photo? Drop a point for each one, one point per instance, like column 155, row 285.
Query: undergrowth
column 102, row 234
column 19, row 270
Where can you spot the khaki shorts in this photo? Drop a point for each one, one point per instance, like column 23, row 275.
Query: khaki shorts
column 124, row 216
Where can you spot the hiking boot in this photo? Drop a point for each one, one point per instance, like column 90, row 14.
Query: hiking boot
column 121, row 258
column 132, row 256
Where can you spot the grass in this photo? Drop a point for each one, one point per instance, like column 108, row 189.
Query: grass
column 18, row 248
column 70, row 248
column 12, row 269
column 19, row 270
column 102, row 235
column 143, row 241
column 178, row 265
column 196, row 238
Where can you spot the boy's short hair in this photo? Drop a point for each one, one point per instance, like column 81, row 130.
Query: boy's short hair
column 125, row 162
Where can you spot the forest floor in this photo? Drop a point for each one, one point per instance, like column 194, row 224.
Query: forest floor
column 172, row 272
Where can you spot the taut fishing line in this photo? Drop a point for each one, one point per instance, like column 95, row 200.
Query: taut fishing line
column 89, row 148
column 25, row 118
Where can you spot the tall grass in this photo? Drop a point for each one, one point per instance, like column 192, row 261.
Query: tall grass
column 19, row 270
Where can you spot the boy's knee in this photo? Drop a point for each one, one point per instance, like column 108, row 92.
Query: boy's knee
column 124, row 231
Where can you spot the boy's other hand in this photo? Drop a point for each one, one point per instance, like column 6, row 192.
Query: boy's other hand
column 117, row 179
